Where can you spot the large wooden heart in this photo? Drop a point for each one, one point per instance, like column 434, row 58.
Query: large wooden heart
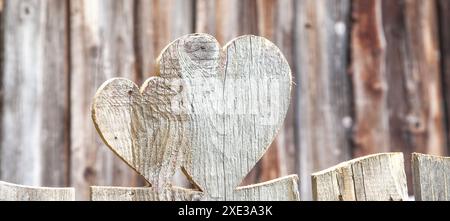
column 212, row 111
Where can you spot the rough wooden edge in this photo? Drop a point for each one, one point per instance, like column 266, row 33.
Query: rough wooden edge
column 111, row 193
column 99, row 132
column 352, row 161
column 16, row 192
column 416, row 161
column 345, row 170
column 279, row 189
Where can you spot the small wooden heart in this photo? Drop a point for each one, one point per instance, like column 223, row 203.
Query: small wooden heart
column 211, row 111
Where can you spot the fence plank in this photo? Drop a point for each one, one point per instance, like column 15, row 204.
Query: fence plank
column 101, row 48
column 158, row 22
column 273, row 190
column 323, row 92
column 35, row 116
column 371, row 132
column 444, row 43
column 413, row 76
column 431, row 177
column 275, row 22
column 373, row 177
column 107, row 193
column 14, row 192
column 241, row 18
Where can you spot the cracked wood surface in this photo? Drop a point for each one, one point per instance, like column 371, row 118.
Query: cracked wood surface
column 377, row 177
column 14, row 192
column 431, row 177
column 211, row 111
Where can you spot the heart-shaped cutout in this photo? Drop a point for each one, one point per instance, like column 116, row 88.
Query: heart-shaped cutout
column 212, row 111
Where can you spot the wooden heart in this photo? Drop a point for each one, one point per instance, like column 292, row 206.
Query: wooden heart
column 139, row 127
column 212, row 111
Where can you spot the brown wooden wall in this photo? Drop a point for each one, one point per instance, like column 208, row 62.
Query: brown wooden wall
column 369, row 76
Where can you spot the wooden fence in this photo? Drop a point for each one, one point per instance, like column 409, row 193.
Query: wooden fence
column 376, row 177
column 370, row 76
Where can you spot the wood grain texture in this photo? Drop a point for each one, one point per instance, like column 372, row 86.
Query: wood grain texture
column 431, row 177
column 101, row 34
column 157, row 23
column 279, row 159
column 379, row 177
column 444, row 44
column 109, row 193
column 14, row 192
column 323, row 91
column 368, row 47
column 35, row 93
column 274, row 21
column 415, row 102
column 209, row 111
column 273, row 190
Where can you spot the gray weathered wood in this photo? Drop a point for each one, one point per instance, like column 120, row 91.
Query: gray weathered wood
column 34, row 142
column 213, row 112
column 431, row 177
column 101, row 40
column 159, row 22
column 14, row 192
column 273, row 190
column 323, row 116
column 373, row 177
column 415, row 103
column 109, row 193
column 241, row 19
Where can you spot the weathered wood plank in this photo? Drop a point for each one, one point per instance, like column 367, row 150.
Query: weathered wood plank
column 415, row 101
column 273, row 190
column 109, row 193
column 279, row 189
column 101, row 48
column 241, row 18
column 368, row 46
column 35, row 93
column 444, row 43
column 159, row 22
column 275, row 22
column 373, row 177
column 431, row 177
column 14, row 192
column 323, row 91
column 209, row 111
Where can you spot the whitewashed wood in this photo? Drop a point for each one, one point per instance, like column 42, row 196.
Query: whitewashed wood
column 324, row 122
column 109, row 193
column 431, row 177
column 34, row 93
column 273, row 190
column 209, row 111
column 101, row 47
column 374, row 177
column 14, row 192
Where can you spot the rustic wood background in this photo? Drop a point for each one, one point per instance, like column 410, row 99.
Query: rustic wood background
column 370, row 76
